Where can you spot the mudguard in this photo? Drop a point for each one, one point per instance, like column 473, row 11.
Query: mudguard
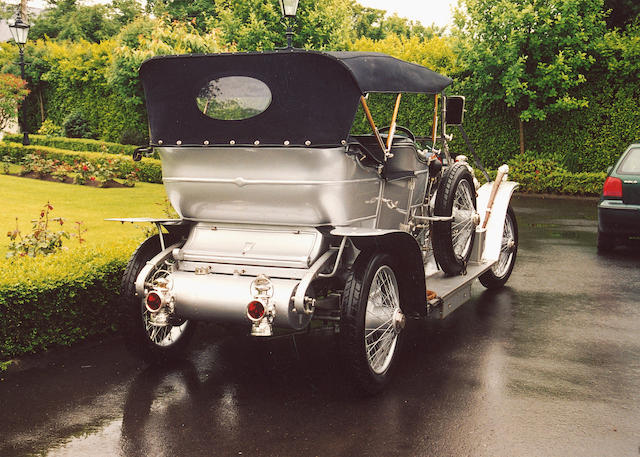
column 495, row 226
column 403, row 247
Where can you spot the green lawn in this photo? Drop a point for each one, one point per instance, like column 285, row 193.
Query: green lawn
column 23, row 198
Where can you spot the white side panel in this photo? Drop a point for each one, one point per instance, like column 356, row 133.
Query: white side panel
column 495, row 226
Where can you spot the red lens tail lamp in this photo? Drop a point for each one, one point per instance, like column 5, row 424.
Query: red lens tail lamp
column 255, row 310
column 612, row 188
column 153, row 302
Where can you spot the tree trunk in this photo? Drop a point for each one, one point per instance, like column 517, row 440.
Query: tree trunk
column 521, row 136
column 41, row 104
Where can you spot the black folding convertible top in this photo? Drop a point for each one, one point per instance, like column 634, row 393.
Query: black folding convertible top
column 315, row 95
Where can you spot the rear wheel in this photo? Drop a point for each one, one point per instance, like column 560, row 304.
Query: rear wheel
column 453, row 240
column 371, row 321
column 144, row 337
column 499, row 273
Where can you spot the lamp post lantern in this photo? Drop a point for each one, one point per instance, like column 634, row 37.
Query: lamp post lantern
column 289, row 8
column 19, row 32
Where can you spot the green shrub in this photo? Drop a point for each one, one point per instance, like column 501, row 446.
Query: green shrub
column 546, row 176
column 49, row 128
column 134, row 137
column 148, row 170
column 60, row 299
column 77, row 126
column 74, row 144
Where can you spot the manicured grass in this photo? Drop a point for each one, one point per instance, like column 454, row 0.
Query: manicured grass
column 24, row 198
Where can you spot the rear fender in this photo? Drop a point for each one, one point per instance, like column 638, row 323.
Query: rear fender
column 409, row 267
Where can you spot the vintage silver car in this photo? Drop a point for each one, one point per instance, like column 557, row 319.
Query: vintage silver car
column 287, row 218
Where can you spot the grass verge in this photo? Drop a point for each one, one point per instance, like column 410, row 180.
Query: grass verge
column 65, row 297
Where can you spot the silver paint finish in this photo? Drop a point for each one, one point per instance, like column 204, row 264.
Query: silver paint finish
column 270, row 185
column 293, row 247
column 224, row 298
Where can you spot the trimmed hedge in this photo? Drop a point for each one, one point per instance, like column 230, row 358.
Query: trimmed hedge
column 562, row 182
column 148, row 170
column 545, row 176
column 60, row 299
column 73, row 144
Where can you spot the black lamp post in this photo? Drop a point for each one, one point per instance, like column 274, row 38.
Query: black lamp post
column 289, row 8
column 19, row 32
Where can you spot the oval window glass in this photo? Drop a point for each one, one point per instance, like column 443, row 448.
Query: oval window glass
column 234, row 98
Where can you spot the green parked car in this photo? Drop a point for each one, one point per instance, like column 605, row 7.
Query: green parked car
column 619, row 207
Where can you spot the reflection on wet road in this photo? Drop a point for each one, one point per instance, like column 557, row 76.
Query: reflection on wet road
column 549, row 366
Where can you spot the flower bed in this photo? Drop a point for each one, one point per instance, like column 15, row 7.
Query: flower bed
column 148, row 170
column 100, row 173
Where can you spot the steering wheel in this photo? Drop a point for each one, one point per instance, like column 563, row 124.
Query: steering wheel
column 407, row 133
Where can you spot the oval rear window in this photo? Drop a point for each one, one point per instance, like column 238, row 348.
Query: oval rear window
column 233, row 98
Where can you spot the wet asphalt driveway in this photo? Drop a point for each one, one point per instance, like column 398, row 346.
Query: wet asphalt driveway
column 549, row 366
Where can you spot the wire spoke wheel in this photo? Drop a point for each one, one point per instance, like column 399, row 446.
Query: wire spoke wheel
column 380, row 332
column 499, row 273
column 146, row 336
column 453, row 240
column 506, row 249
column 163, row 335
column 371, row 321
column 462, row 226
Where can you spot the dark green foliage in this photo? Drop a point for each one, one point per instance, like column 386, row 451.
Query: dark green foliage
column 546, row 176
column 134, row 137
column 71, row 20
column 73, row 144
column 76, row 126
column 60, row 299
column 68, row 20
column 198, row 12
column 148, row 170
column 256, row 24
column 585, row 140
column 623, row 12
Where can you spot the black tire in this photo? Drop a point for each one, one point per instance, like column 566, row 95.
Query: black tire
column 138, row 340
column 370, row 372
column 605, row 242
column 498, row 274
column 453, row 241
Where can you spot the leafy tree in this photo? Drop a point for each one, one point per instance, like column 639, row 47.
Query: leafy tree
column 69, row 20
column 435, row 53
column 372, row 23
column 143, row 39
column 407, row 28
column 528, row 54
column 621, row 53
column 126, row 11
column 12, row 91
column 198, row 12
column 256, row 25
column 367, row 22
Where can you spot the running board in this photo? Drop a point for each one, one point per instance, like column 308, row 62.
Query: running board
column 452, row 291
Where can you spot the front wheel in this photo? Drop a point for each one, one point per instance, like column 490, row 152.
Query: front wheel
column 371, row 321
column 499, row 273
column 145, row 338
